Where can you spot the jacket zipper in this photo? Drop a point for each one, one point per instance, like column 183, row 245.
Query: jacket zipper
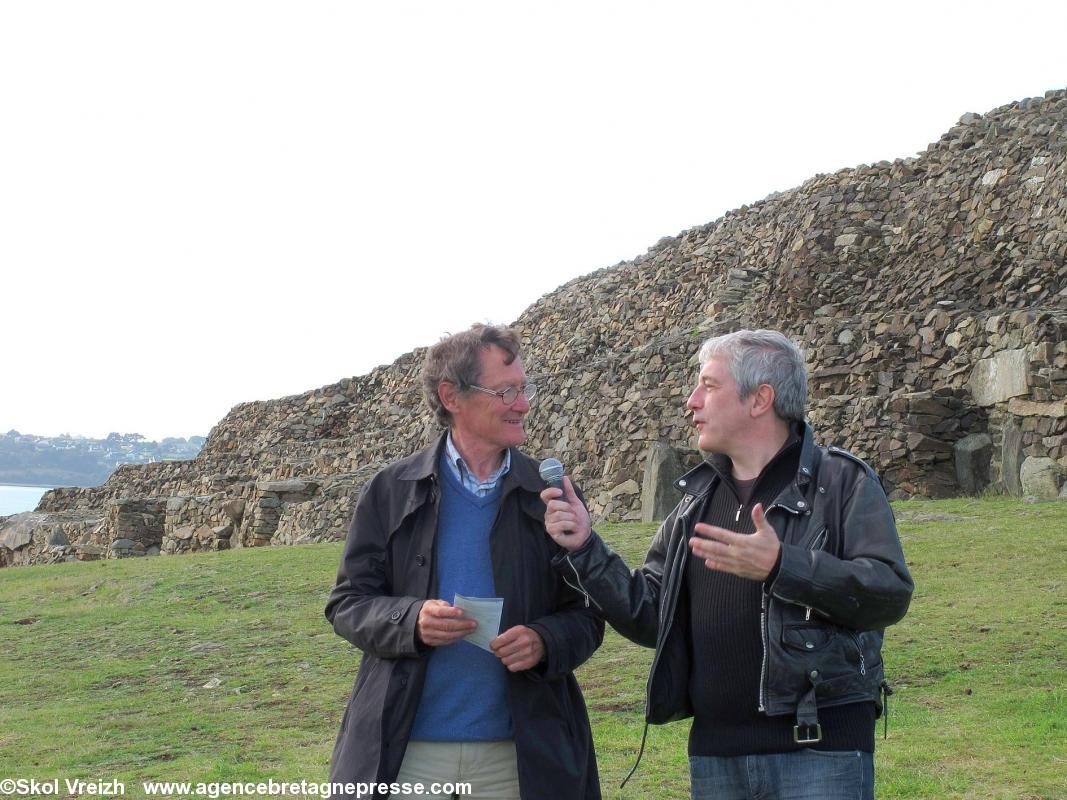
column 763, row 640
column 820, row 537
column 818, row 540
column 859, row 652
column 579, row 588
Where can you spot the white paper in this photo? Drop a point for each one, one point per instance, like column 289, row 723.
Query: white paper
column 486, row 612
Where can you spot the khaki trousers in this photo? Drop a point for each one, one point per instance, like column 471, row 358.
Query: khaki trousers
column 491, row 769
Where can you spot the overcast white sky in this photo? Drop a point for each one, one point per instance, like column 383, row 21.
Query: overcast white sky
column 204, row 203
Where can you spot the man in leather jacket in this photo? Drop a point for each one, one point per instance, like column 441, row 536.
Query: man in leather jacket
column 765, row 592
column 463, row 517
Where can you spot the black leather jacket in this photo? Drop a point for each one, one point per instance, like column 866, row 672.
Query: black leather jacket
column 841, row 580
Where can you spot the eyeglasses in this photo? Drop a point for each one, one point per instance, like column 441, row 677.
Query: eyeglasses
column 511, row 394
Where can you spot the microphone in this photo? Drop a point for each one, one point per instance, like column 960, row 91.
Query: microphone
column 551, row 470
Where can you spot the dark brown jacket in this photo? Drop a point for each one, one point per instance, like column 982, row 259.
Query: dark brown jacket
column 388, row 571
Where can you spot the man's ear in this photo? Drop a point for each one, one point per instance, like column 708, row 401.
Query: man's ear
column 448, row 395
column 762, row 400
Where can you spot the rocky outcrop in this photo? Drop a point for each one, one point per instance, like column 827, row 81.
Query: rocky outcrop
column 928, row 293
column 1041, row 478
column 973, row 454
column 663, row 466
column 48, row 538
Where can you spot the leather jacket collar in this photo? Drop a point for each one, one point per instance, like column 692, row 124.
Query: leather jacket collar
column 702, row 478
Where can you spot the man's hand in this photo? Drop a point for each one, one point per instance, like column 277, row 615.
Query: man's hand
column 519, row 648
column 442, row 623
column 566, row 517
column 747, row 555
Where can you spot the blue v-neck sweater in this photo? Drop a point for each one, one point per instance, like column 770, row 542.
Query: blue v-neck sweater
column 465, row 697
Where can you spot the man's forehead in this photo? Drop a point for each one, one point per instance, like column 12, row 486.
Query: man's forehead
column 494, row 358
column 714, row 367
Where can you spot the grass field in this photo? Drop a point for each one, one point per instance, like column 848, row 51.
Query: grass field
column 104, row 665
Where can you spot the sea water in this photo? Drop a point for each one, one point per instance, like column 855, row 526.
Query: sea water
column 16, row 499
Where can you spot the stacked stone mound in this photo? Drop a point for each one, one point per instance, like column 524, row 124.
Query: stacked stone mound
column 929, row 295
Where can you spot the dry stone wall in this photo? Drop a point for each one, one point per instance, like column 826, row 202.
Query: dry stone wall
column 928, row 293
column 50, row 538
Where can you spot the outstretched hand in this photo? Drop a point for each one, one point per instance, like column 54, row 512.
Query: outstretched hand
column 747, row 555
column 566, row 517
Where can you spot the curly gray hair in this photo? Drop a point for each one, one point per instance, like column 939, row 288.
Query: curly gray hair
column 456, row 359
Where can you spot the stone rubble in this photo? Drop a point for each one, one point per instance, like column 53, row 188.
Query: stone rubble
column 928, row 293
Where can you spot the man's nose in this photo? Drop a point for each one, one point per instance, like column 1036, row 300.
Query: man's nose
column 695, row 399
column 521, row 404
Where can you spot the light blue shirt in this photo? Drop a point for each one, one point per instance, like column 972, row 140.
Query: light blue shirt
column 469, row 479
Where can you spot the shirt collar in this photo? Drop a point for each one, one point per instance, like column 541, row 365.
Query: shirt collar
column 462, row 470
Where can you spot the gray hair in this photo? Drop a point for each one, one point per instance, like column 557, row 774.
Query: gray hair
column 755, row 357
column 456, row 359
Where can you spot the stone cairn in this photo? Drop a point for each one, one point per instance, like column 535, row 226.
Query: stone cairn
column 928, row 294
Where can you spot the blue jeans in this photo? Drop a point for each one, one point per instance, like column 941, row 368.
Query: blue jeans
column 800, row 775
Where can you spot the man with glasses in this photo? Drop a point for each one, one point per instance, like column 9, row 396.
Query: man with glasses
column 463, row 517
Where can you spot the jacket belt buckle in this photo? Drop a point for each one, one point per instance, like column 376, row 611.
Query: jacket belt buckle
column 807, row 734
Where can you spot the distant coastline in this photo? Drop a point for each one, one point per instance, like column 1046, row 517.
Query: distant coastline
column 20, row 498
column 59, row 461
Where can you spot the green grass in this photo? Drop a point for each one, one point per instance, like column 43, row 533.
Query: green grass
column 103, row 666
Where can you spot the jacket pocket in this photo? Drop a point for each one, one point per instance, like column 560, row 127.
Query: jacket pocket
column 866, row 651
column 806, row 638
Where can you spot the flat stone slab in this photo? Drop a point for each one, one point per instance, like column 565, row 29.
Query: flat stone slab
column 1029, row 408
column 287, row 487
column 1002, row 377
column 17, row 531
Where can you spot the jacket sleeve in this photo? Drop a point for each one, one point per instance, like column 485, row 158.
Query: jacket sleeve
column 571, row 635
column 360, row 606
column 628, row 601
column 869, row 587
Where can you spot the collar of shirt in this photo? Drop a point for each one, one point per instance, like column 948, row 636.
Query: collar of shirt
column 469, row 479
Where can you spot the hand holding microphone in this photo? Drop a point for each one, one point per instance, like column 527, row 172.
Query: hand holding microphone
column 566, row 517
